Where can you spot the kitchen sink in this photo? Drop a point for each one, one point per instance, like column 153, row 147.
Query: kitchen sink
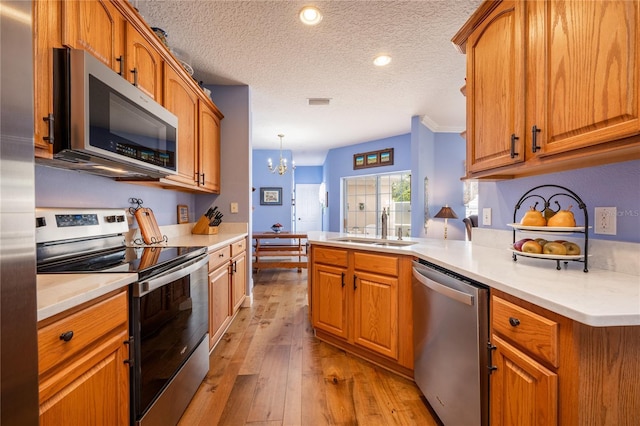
column 374, row 242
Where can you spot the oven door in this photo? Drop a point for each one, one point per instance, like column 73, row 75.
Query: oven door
column 169, row 321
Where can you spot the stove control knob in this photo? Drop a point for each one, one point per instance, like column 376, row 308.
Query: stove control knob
column 120, row 218
column 40, row 222
column 110, row 219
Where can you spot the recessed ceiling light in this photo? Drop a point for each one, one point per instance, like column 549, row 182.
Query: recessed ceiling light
column 310, row 15
column 382, row 60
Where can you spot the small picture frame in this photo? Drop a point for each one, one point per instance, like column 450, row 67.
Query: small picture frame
column 183, row 213
column 271, row 196
column 372, row 159
column 386, row 157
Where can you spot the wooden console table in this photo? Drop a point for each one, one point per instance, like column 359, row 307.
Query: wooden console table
column 279, row 244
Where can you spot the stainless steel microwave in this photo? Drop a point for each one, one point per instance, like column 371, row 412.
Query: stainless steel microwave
column 105, row 125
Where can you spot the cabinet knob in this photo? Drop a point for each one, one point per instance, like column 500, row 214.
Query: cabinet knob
column 514, row 321
column 66, row 336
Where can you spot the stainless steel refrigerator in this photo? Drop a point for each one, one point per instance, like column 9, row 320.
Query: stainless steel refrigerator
column 18, row 308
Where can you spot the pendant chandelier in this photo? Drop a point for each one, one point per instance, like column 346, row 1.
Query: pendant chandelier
column 281, row 168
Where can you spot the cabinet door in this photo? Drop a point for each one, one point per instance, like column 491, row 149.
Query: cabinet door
column 238, row 280
column 99, row 395
column 330, row 299
column 495, row 93
column 209, row 143
column 376, row 313
column 219, row 299
column 95, row 26
column 143, row 66
column 46, row 30
column 587, row 90
column 523, row 392
column 182, row 101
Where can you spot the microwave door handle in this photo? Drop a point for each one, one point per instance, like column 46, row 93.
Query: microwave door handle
column 144, row 287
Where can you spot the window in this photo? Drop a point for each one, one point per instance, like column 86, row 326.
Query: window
column 366, row 196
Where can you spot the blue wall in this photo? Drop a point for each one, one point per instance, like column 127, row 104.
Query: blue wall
column 308, row 175
column 339, row 164
column 612, row 185
column 265, row 216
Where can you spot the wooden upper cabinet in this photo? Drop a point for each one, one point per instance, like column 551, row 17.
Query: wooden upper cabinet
column 143, row 64
column 586, row 92
column 495, row 94
column 97, row 27
column 181, row 100
column 551, row 85
column 209, row 147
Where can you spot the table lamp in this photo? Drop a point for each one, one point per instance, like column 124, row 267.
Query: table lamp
column 446, row 213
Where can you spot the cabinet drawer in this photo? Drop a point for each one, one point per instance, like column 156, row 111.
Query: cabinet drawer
column 532, row 332
column 238, row 247
column 88, row 326
column 328, row 256
column 376, row 263
column 218, row 257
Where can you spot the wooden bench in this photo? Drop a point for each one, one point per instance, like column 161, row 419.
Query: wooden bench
column 279, row 244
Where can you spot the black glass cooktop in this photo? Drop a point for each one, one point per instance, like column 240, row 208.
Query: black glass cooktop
column 144, row 261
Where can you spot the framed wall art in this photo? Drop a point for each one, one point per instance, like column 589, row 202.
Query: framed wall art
column 183, row 213
column 383, row 157
column 271, row 196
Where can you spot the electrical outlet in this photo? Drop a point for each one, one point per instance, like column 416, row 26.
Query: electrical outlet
column 605, row 220
column 234, row 207
column 486, row 216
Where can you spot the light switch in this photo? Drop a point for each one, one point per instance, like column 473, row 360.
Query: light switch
column 234, row 207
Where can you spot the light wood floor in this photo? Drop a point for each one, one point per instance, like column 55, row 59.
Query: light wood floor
column 269, row 369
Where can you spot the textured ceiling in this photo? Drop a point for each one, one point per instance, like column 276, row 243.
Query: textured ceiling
column 264, row 45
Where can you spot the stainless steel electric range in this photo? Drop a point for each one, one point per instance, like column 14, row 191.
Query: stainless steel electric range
column 168, row 304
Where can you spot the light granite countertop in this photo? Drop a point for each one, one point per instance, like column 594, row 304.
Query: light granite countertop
column 597, row 298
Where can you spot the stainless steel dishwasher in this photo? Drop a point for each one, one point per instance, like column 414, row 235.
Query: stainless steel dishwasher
column 451, row 335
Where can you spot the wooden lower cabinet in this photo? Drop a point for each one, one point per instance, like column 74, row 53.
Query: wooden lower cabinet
column 361, row 302
column 227, row 284
column 330, row 299
column 523, row 392
column 219, row 312
column 551, row 370
column 85, row 378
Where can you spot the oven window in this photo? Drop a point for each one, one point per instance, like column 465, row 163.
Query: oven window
column 172, row 320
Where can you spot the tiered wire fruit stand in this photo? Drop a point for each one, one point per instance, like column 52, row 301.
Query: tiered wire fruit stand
column 548, row 206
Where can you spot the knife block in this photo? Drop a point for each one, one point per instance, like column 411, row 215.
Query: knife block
column 202, row 227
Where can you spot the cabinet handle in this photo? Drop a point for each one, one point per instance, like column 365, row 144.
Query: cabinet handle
column 121, row 60
column 221, row 255
column 235, row 266
column 514, row 321
column 66, row 336
column 514, row 138
column 49, row 119
column 135, row 76
column 129, row 343
column 355, row 286
column 534, row 138
column 342, row 279
column 202, row 182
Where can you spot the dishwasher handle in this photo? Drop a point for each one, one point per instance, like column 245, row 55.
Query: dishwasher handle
column 444, row 290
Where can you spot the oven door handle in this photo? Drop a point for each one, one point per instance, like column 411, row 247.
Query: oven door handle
column 143, row 287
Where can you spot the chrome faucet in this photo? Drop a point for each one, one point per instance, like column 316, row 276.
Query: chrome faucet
column 384, row 223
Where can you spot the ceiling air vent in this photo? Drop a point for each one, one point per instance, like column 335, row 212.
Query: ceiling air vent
column 318, row 101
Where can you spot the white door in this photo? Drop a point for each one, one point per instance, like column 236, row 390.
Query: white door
column 308, row 208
